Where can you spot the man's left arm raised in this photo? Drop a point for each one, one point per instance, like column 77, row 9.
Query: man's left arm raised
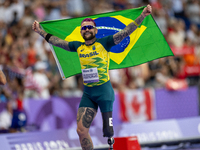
column 119, row 36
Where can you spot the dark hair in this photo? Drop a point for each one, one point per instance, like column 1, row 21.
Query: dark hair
column 88, row 19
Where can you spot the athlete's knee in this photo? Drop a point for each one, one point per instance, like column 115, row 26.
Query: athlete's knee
column 81, row 131
column 107, row 124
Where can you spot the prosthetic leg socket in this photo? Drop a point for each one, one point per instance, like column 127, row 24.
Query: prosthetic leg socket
column 107, row 124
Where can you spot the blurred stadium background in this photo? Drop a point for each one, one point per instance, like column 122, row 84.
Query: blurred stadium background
column 156, row 101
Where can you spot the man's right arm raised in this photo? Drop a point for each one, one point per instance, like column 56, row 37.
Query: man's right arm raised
column 52, row 39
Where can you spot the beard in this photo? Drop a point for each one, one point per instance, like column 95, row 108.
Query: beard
column 86, row 38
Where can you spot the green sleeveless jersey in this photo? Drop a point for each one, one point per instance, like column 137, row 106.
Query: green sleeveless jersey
column 94, row 60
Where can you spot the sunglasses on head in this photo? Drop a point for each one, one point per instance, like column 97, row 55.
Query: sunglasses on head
column 89, row 27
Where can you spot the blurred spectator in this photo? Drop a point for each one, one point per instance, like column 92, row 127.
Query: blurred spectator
column 156, row 4
column 192, row 33
column 69, row 86
column 119, row 4
column 138, row 76
column 28, row 17
column 197, row 49
column 13, row 11
column 118, row 78
column 41, row 48
column 75, row 7
column 104, row 7
column 159, row 16
column 2, row 10
column 52, row 13
column 177, row 34
column 162, row 76
column 135, row 3
column 19, row 121
column 6, row 116
column 178, row 8
column 190, row 57
column 64, row 13
column 193, row 11
column 31, row 55
column 42, row 80
column 39, row 10
column 53, row 74
column 12, row 118
column 154, row 67
column 31, row 87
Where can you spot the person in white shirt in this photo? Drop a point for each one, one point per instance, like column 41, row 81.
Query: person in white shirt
column 6, row 117
column 42, row 80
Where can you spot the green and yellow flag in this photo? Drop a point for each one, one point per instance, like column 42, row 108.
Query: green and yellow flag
column 145, row 44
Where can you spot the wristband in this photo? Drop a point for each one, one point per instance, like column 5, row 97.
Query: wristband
column 48, row 36
column 135, row 23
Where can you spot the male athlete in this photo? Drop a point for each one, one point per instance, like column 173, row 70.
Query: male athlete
column 94, row 60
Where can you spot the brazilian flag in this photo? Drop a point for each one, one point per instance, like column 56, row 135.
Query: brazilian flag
column 145, row 44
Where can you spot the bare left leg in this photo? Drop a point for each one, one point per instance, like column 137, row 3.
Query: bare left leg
column 85, row 117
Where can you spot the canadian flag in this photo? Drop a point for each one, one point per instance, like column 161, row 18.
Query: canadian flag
column 137, row 105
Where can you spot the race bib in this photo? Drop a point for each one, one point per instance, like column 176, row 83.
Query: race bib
column 90, row 75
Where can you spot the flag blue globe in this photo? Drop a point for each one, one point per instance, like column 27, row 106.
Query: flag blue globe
column 109, row 26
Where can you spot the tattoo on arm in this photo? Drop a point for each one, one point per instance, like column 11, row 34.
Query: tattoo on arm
column 86, row 144
column 59, row 42
column 88, row 118
column 56, row 41
column 42, row 33
column 118, row 37
column 80, row 113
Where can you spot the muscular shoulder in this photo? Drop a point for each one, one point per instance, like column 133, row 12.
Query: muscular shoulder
column 74, row 45
column 107, row 41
